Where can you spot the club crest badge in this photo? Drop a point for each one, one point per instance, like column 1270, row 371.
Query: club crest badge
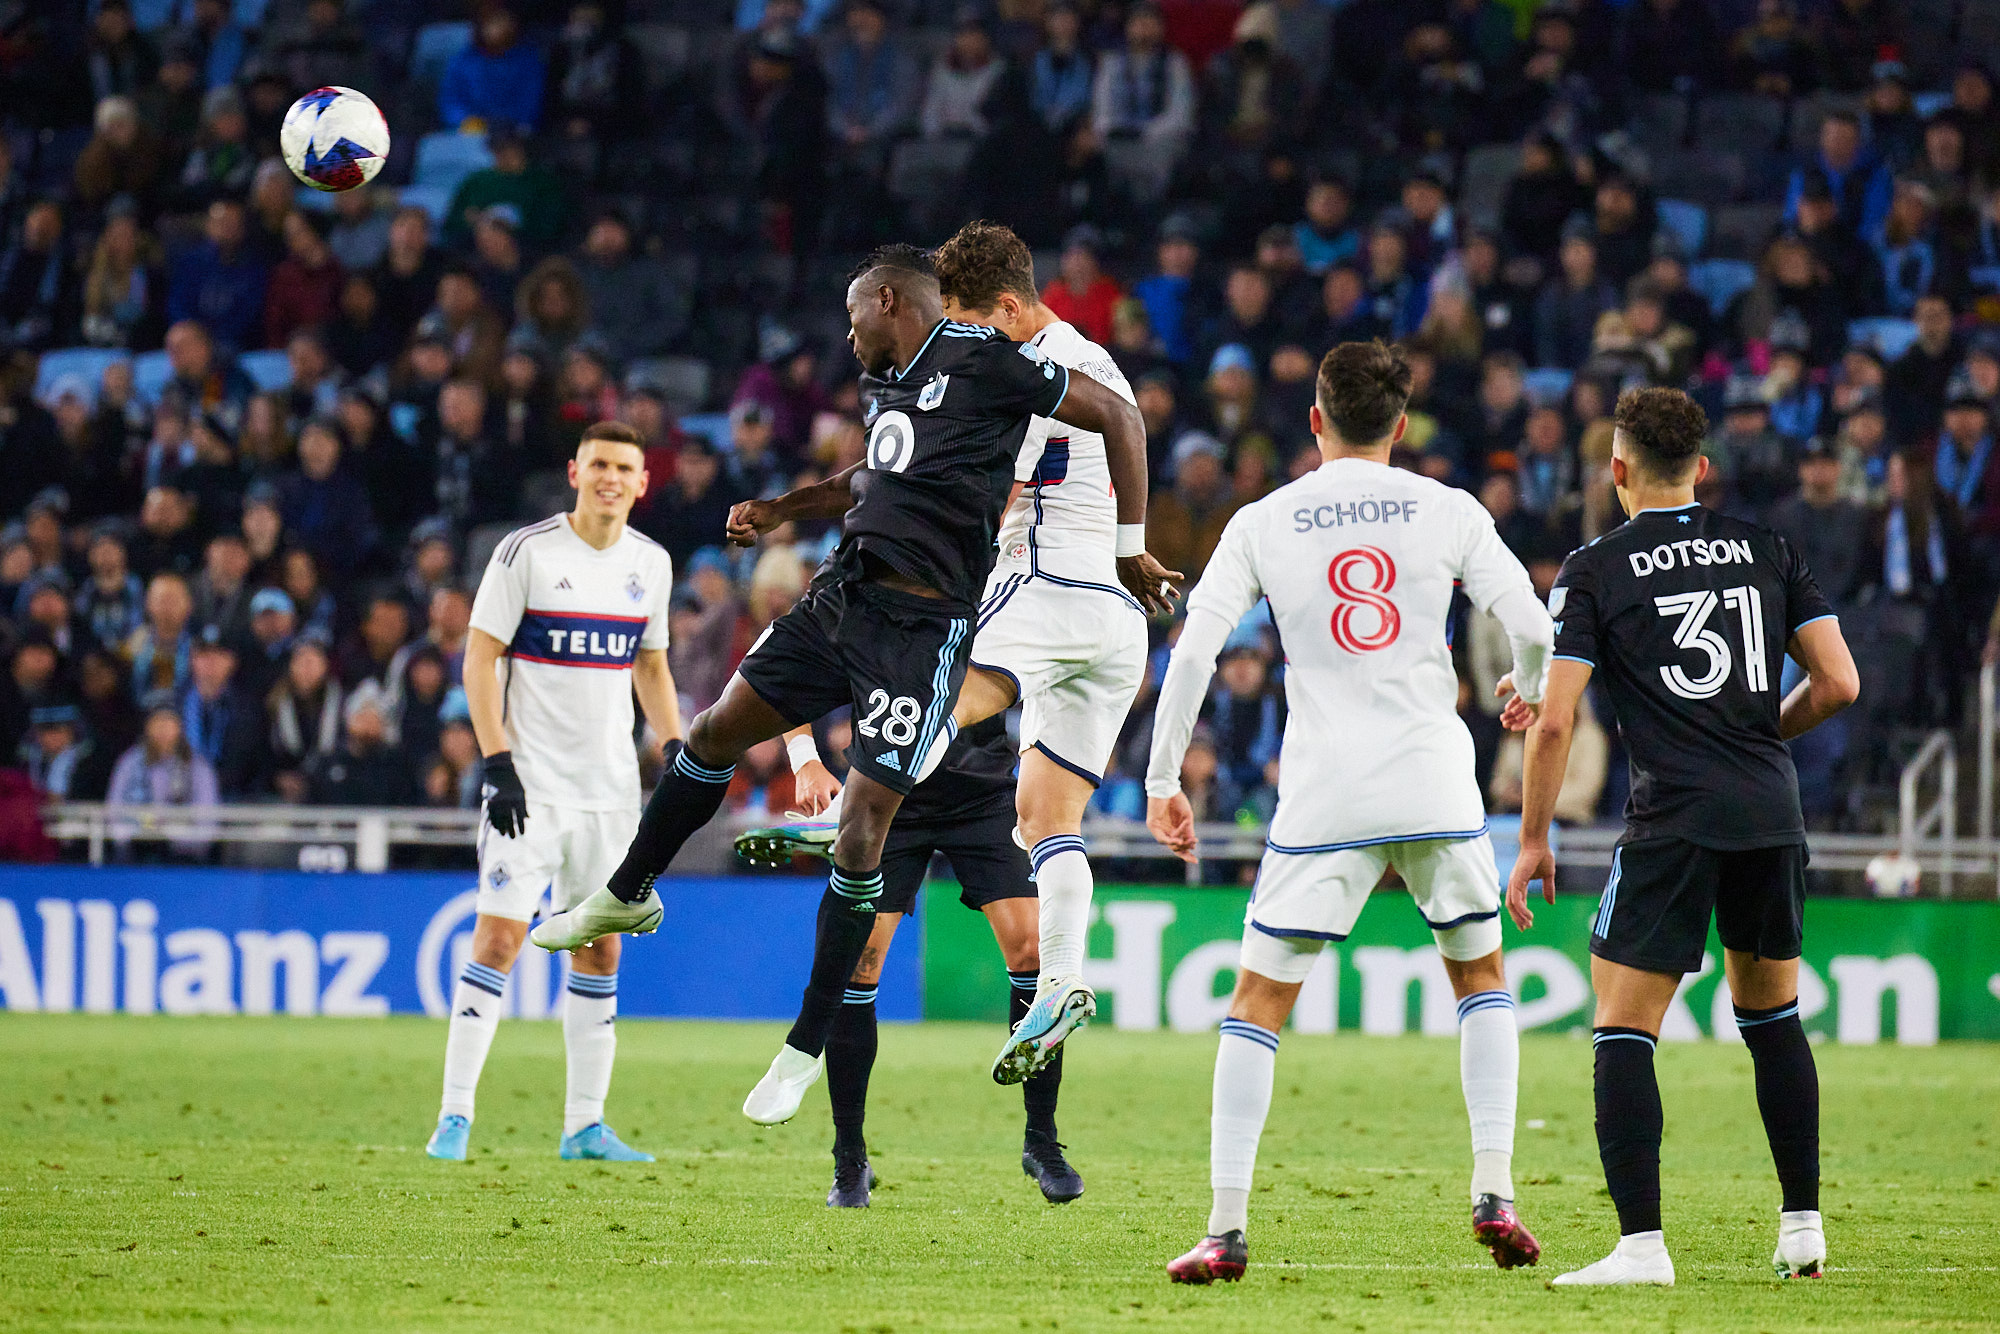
column 933, row 393
column 634, row 589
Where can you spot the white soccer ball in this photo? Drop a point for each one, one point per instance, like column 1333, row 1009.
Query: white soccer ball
column 334, row 139
column 1893, row 876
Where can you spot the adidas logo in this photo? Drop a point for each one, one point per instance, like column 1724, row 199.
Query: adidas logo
column 563, row 583
column 890, row 761
column 468, row 1012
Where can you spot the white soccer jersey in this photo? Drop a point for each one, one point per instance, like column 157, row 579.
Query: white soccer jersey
column 1358, row 561
column 573, row 619
column 1065, row 522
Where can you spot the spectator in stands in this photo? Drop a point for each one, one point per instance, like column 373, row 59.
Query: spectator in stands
column 1566, row 313
column 1183, row 524
column 168, row 542
column 211, row 478
column 1890, row 114
column 632, row 299
column 369, row 768
column 358, row 235
column 498, row 261
column 466, row 324
column 1851, row 36
column 218, row 41
column 316, row 379
column 324, row 48
column 1976, row 112
column 160, row 650
column 535, row 192
column 419, row 701
column 1327, row 236
column 1396, row 296
column 123, row 297
column 1145, row 92
column 162, row 770
column 1964, row 467
column 222, row 161
column 171, row 106
column 1539, row 200
column 691, row 511
column 222, row 590
column 1909, row 659
column 222, row 725
column 1253, row 100
column 1622, row 229
column 125, row 156
column 1790, row 286
column 874, row 86
column 359, row 337
column 273, row 622
column 368, row 653
column 453, row 777
column 1082, row 292
column 551, row 306
column 120, row 59
column 448, row 620
column 38, row 288
column 1752, row 463
column 202, row 377
column 59, row 757
column 1061, row 74
column 1669, row 46
column 304, row 290
column 1829, row 530
column 595, row 80
column 1245, row 715
column 1916, row 383
column 220, row 282
column 496, row 81
column 1851, row 264
column 1909, row 264
column 324, row 505
column 966, row 76
column 111, row 602
column 1774, row 55
column 1173, row 303
column 406, row 281
column 302, row 717
column 1856, row 175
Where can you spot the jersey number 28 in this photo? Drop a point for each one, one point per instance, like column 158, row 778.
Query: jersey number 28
column 1694, row 609
column 1365, row 620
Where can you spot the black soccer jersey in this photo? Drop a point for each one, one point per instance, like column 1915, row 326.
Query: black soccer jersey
column 975, row 779
column 942, row 440
column 1685, row 615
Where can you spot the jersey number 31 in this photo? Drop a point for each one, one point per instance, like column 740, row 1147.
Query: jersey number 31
column 1694, row 609
column 1365, row 620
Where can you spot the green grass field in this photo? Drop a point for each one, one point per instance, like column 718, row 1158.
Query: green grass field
column 260, row 1174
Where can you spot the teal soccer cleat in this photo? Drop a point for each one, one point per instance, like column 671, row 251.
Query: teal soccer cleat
column 1061, row 1007
column 600, row 1143
column 448, row 1140
column 799, row 836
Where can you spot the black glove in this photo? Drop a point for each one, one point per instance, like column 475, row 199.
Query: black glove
column 506, row 799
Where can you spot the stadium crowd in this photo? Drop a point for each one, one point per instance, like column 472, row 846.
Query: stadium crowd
column 256, row 444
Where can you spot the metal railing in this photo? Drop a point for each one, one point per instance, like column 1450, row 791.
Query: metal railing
column 1914, row 824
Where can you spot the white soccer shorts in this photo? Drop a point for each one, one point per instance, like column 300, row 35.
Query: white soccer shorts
column 1304, row 900
column 1076, row 656
column 566, row 852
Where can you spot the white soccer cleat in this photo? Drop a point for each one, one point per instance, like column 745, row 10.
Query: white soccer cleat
column 1640, row 1259
column 1061, row 1007
column 601, row 914
column 778, row 1094
column 1801, row 1249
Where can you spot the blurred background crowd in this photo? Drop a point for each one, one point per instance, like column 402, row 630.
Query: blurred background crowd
column 256, row 443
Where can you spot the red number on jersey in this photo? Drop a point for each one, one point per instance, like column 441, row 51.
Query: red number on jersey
column 1360, row 578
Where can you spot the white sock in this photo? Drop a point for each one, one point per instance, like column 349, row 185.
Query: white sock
column 1489, row 1068
column 1642, row 1245
column 590, row 1042
column 1063, row 885
column 475, row 1018
column 1245, row 1062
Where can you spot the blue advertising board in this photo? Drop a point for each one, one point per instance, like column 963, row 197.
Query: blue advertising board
column 146, row 940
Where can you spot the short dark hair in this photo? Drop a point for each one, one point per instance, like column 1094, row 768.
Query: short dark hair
column 901, row 257
column 1665, row 426
column 617, row 432
column 984, row 260
column 1362, row 390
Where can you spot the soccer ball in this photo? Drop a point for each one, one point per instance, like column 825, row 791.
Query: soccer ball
column 334, row 139
column 1893, row 876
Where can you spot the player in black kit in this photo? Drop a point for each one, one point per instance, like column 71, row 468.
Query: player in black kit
column 886, row 626
column 1689, row 615
column 964, row 811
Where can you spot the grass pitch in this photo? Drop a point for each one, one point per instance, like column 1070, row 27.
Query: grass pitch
column 269, row 1174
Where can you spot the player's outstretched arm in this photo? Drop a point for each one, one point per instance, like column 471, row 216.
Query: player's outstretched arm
column 1831, row 683
column 1542, row 768
column 829, row 499
column 1168, row 814
column 506, row 799
column 1090, row 406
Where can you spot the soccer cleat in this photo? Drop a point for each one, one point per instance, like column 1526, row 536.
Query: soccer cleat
column 1224, row 1257
column 1042, row 1158
column 1061, row 1007
column 601, row 914
column 448, row 1140
column 1639, row 1259
column 600, row 1143
column 1497, row 1227
column 799, row 836
column 853, row 1180
column 1801, row 1249
column 778, row 1094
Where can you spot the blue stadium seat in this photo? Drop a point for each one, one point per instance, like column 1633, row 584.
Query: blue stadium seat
column 447, row 157
column 1547, row 385
column 1927, row 105
column 87, row 363
column 1687, row 223
column 1720, row 280
column 436, row 44
column 150, row 373
column 1889, row 336
column 309, row 200
column 432, row 199
column 270, row 371
column 713, row 426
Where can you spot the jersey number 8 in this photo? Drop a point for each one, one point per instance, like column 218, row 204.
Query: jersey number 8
column 900, row 727
column 1360, row 578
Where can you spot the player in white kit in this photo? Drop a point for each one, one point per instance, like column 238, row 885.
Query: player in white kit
column 570, row 621
column 1358, row 560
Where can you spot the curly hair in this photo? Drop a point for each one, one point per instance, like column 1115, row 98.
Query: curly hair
column 1665, row 426
column 1363, row 388
column 984, row 260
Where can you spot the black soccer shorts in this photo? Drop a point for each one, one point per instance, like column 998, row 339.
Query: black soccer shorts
column 1655, row 909
column 897, row 658
column 989, row 865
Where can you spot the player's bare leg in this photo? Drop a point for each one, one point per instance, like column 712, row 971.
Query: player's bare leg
column 1766, row 995
column 689, row 794
column 1050, row 801
column 1489, row 1068
column 1631, row 1002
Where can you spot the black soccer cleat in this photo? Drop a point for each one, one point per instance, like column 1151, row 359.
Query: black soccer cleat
column 1224, row 1257
column 1042, row 1158
column 1497, row 1227
column 853, row 1180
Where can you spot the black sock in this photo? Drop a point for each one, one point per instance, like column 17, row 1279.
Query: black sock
column 1039, row 1093
column 1628, row 1126
column 846, row 919
column 850, row 1059
column 1788, row 1097
column 687, row 798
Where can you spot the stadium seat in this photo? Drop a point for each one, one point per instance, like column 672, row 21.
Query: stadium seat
column 150, row 373
column 1740, row 122
column 432, row 199
column 436, row 44
column 86, row 363
column 1808, row 112
column 1741, row 231
column 923, row 169
column 1889, row 336
column 1927, row 105
column 1547, row 384
column 270, row 371
column 1660, row 121
column 447, row 157
column 1721, row 280
column 1704, row 176
column 711, row 426
column 682, row 381
column 1687, row 223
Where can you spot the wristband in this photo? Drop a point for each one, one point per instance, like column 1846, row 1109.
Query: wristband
column 1131, row 540
column 803, row 751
